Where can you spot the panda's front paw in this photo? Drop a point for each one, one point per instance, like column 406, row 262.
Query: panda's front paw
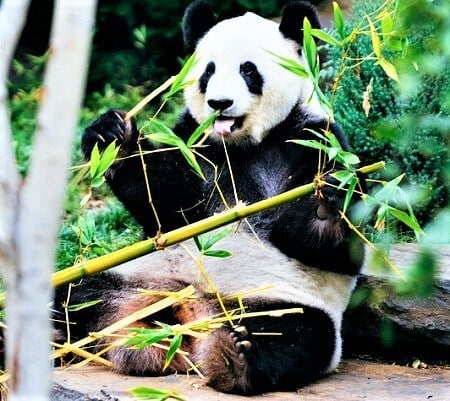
column 109, row 127
column 330, row 199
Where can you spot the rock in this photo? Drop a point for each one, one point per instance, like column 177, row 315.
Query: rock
column 401, row 328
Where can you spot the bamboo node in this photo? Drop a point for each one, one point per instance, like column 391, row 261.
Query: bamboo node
column 160, row 241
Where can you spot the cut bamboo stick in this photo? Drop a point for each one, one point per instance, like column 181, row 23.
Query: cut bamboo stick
column 149, row 98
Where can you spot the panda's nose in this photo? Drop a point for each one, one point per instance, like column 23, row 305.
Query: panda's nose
column 221, row 104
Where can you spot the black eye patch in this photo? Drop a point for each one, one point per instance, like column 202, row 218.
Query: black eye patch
column 252, row 77
column 207, row 74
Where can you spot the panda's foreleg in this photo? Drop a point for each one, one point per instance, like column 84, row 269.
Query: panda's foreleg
column 270, row 353
column 312, row 231
column 175, row 190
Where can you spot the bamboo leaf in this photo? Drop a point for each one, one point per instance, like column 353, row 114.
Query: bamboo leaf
column 165, row 135
column 348, row 196
column 201, row 129
column 143, row 338
column 339, row 20
column 218, row 253
column 84, row 305
column 318, row 134
column 179, row 83
column 191, row 159
column 332, row 153
column 310, row 143
column 333, row 140
column 326, row 37
column 291, row 65
column 387, row 24
column 94, row 160
column 387, row 192
column 157, row 126
column 409, row 220
column 97, row 181
column 343, row 176
column 209, row 239
column 163, row 138
column 175, row 344
column 107, row 157
column 197, row 243
column 347, row 158
column 388, row 68
column 376, row 44
column 309, row 46
column 148, row 393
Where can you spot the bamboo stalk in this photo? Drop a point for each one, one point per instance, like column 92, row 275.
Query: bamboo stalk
column 149, row 98
column 142, row 248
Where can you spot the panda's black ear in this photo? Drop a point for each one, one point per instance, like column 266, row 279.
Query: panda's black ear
column 198, row 19
column 293, row 14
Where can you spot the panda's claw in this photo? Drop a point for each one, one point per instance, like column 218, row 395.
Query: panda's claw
column 239, row 335
column 119, row 116
column 246, row 345
column 241, row 330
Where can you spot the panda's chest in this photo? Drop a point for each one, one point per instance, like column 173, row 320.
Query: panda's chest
column 261, row 174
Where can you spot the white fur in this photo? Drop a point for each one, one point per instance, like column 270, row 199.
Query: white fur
column 253, row 266
column 231, row 43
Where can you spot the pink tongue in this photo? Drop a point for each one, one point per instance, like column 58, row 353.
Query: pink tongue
column 223, row 127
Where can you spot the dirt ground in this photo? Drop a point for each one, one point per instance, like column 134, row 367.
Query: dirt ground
column 355, row 380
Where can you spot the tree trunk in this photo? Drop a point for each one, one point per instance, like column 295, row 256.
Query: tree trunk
column 31, row 219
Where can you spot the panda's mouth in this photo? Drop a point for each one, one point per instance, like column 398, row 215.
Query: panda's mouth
column 225, row 125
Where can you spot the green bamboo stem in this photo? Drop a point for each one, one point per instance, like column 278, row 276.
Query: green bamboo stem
column 105, row 262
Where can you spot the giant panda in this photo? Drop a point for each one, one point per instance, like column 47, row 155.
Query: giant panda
column 301, row 255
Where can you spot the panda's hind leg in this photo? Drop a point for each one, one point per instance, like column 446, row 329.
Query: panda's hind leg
column 120, row 297
column 151, row 360
column 269, row 353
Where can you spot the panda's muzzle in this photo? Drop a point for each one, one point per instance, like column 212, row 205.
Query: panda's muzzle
column 225, row 125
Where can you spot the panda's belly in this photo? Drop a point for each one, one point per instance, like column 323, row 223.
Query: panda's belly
column 253, row 266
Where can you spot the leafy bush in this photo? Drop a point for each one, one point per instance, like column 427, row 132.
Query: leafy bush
column 406, row 131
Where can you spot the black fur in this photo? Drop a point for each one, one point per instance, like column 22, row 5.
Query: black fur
column 252, row 77
column 207, row 74
column 198, row 19
column 294, row 12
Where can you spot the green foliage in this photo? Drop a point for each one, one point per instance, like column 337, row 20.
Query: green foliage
column 206, row 241
column 159, row 132
column 148, row 393
column 142, row 338
column 24, row 100
column 405, row 128
column 109, row 228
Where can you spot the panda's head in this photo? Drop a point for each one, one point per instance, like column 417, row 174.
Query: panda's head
column 237, row 74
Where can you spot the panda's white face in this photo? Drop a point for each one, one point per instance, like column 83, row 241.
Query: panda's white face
column 238, row 76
